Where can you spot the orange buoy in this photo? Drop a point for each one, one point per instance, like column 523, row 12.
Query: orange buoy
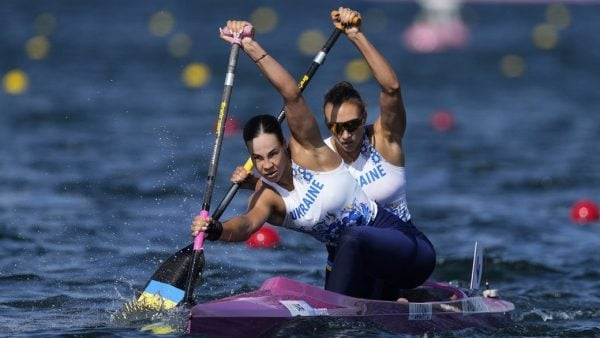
column 265, row 237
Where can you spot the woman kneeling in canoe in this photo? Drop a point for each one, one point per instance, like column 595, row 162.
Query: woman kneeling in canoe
column 305, row 186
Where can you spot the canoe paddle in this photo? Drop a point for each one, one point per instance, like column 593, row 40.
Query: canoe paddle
column 176, row 278
column 169, row 281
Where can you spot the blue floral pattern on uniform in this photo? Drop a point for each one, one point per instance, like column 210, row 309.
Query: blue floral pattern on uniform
column 368, row 150
column 328, row 230
column 398, row 209
column 375, row 156
column 301, row 174
column 364, row 147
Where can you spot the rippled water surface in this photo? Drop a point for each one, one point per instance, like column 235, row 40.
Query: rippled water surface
column 103, row 158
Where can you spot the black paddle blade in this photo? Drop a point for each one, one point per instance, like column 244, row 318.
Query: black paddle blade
column 174, row 271
column 166, row 287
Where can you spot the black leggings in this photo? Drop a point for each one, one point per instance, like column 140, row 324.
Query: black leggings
column 378, row 260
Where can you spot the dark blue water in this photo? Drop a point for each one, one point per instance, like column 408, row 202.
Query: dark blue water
column 103, row 158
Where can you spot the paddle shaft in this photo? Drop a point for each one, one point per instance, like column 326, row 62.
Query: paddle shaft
column 304, row 81
column 212, row 170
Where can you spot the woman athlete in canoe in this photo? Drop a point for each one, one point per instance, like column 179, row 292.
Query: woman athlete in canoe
column 305, row 186
column 373, row 152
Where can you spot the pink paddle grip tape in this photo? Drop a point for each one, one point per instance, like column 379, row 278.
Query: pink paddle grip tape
column 199, row 240
column 237, row 38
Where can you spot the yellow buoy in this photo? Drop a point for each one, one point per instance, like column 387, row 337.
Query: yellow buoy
column 15, row 82
column 195, row 75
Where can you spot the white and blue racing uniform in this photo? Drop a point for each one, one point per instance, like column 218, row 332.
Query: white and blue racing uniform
column 368, row 246
column 383, row 182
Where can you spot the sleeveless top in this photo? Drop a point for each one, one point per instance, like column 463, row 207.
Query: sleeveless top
column 383, row 182
column 323, row 204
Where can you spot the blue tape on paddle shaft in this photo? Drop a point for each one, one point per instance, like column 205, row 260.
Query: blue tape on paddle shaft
column 165, row 290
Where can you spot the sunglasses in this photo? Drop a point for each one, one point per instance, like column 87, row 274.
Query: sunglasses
column 349, row 126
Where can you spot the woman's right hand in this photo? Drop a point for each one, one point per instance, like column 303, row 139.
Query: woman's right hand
column 244, row 178
column 239, row 175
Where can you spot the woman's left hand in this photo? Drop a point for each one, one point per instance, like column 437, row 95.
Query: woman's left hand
column 237, row 30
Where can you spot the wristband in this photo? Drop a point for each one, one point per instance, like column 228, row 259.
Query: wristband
column 215, row 231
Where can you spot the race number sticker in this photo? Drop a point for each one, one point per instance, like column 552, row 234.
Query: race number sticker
column 419, row 311
column 302, row 308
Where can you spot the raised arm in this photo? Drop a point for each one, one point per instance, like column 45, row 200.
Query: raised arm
column 392, row 120
column 306, row 143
